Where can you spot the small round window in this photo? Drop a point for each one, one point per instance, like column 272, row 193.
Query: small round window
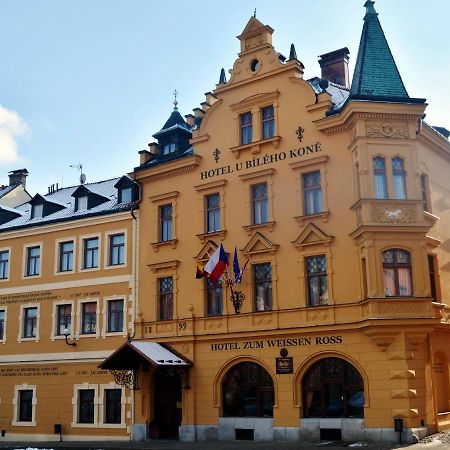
column 255, row 65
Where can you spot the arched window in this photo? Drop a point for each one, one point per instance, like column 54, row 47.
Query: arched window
column 397, row 273
column 399, row 178
column 379, row 172
column 247, row 391
column 332, row 387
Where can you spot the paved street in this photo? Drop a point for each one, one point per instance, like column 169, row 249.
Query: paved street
column 440, row 441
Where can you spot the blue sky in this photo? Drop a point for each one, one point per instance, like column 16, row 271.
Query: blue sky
column 90, row 81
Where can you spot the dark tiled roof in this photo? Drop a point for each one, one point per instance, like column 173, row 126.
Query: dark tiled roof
column 376, row 76
column 64, row 197
column 6, row 189
column 174, row 119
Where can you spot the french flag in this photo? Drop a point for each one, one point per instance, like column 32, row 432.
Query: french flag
column 217, row 264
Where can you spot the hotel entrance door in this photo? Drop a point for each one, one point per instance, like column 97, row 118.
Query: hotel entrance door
column 168, row 398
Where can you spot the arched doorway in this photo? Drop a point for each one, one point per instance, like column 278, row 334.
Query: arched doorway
column 167, row 403
column 332, row 387
column 247, row 391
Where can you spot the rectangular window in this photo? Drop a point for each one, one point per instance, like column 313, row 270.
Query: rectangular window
column 82, row 203
column 116, row 249
column 90, row 253
column 260, row 203
column 165, row 222
column 125, row 195
column 4, row 264
column 29, row 322
column 66, row 256
column 399, row 178
column 115, row 316
column 214, row 299
column 63, row 318
column 25, row 401
column 113, row 406
column 316, row 280
column 165, row 298
column 33, row 261
column 246, row 128
column 423, row 190
column 268, row 122
column 432, row 264
column 89, row 318
column 86, row 405
column 37, row 211
column 262, row 282
column 379, row 172
column 2, row 324
column 212, row 213
column 312, row 193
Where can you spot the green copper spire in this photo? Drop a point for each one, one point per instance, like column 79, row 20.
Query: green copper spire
column 376, row 76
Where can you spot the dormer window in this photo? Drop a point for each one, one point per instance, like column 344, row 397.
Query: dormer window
column 125, row 195
column 82, row 203
column 37, row 211
column 169, row 148
column 127, row 190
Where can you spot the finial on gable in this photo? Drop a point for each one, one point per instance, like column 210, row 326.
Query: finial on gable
column 370, row 9
column 222, row 78
column 175, row 102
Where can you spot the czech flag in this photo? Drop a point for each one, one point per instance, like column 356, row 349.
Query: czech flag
column 217, row 264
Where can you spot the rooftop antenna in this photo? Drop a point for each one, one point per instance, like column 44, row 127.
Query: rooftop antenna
column 79, row 166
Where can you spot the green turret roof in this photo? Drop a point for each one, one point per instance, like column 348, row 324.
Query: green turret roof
column 376, row 76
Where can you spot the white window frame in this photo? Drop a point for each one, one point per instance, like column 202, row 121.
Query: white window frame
column 7, row 249
column 5, row 323
column 53, row 335
column 102, row 405
column 57, row 255
column 25, row 260
column 20, row 338
column 106, row 301
column 81, row 252
column 79, row 320
column 16, row 404
column 75, row 405
column 107, row 253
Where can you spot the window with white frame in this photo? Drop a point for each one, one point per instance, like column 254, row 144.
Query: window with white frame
column 65, row 256
column 165, row 223
column 63, row 318
column 4, row 264
column 33, row 261
column 115, row 315
column 85, row 405
column 379, row 172
column 312, row 193
column 316, row 280
column 116, row 249
column 24, row 403
column 89, row 318
column 260, row 203
column 212, row 212
column 30, row 322
column 112, row 406
column 262, row 285
column 90, row 253
column 268, row 122
column 399, row 178
column 246, row 122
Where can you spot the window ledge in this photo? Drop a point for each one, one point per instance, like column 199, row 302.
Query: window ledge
column 220, row 234
column 157, row 245
column 255, row 147
column 269, row 225
column 322, row 215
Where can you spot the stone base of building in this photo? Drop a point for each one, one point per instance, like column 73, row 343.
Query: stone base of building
column 312, row 430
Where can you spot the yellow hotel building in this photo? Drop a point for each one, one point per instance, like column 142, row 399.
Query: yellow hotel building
column 335, row 192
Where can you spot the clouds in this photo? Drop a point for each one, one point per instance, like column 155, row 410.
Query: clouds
column 12, row 127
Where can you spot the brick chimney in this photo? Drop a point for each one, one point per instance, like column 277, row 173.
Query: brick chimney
column 18, row 176
column 334, row 66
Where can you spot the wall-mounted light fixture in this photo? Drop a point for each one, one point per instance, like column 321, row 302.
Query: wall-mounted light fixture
column 66, row 334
